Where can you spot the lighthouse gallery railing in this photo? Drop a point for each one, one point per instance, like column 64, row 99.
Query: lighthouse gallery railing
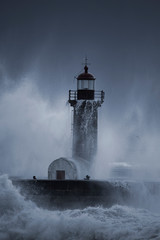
column 98, row 96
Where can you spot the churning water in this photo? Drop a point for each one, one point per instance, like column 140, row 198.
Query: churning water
column 21, row 219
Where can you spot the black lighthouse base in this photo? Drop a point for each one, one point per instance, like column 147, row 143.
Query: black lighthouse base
column 64, row 194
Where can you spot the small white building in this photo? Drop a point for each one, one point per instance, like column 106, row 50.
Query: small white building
column 65, row 169
column 62, row 169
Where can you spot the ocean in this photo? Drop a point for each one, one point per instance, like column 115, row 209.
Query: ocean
column 21, row 219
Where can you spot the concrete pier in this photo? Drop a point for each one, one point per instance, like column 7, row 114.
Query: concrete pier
column 71, row 193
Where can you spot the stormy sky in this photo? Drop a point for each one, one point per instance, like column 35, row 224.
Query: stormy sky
column 43, row 44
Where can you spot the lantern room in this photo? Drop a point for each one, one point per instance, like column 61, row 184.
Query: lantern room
column 85, row 85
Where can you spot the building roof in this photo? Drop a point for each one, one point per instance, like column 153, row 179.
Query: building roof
column 85, row 75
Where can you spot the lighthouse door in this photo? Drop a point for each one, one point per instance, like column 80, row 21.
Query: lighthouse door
column 60, row 175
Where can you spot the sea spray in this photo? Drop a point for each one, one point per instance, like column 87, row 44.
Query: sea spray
column 22, row 219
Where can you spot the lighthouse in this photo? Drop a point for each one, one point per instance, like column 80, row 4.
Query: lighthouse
column 85, row 101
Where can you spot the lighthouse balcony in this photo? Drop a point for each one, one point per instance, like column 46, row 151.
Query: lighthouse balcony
column 75, row 95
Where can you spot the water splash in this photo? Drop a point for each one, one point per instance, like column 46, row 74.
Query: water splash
column 22, row 219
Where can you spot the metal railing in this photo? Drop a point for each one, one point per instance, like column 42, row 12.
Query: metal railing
column 98, row 95
column 72, row 95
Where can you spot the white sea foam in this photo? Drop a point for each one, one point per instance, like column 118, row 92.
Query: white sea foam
column 22, row 219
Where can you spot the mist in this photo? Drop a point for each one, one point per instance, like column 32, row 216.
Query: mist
column 33, row 132
column 129, row 136
column 128, row 143
column 42, row 47
column 36, row 131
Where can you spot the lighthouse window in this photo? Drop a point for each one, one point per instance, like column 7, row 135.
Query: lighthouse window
column 84, row 84
column 79, row 84
column 91, row 84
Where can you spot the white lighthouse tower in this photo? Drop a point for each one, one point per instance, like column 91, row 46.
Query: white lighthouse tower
column 85, row 102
